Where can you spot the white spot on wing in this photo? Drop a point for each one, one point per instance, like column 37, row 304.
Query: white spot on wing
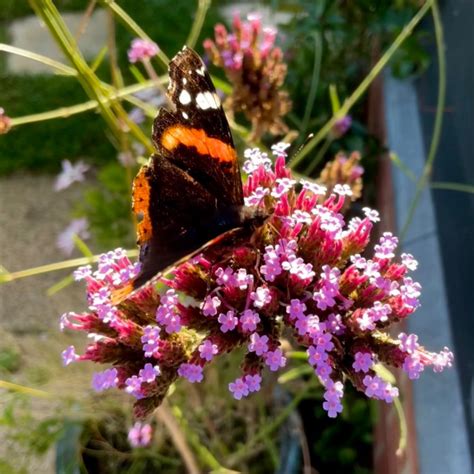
column 207, row 100
column 185, row 115
column 185, row 81
column 201, row 71
column 184, row 97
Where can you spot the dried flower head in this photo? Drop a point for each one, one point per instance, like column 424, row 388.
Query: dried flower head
column 344, row 170
column 301, row 273
column 5, row 122
column 256, row 70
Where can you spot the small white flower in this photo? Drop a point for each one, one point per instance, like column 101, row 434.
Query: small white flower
column 70, row 174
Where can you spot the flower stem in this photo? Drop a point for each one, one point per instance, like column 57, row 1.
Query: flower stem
column 60, row 67
column 133, row 26
column 241, row 453
column 364, row 85
column 426, row 173
column 318, row 53
column 65, row 112
column 52, row 267
column 203, row 7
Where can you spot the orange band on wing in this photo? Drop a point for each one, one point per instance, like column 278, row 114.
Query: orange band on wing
column 141, row 205
column 178, row 135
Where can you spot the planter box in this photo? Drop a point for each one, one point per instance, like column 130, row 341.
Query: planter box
column 437, row 435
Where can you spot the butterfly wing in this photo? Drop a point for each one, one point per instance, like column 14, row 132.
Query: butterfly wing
column 191, row 190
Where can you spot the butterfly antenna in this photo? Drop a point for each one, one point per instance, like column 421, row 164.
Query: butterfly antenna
column 298, row 151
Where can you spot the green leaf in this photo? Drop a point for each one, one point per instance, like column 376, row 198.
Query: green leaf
column 67, row 449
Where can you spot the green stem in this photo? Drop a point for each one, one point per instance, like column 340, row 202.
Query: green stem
column 364, row 85
column 60, row 67
column 204, row 454
column 240, row 454
column 203, row 7
column 461, row 187
column 133, row 26
column 403, row 426
column 425, row 175
column 65, row 112
column 52, row 267
column 318, row 53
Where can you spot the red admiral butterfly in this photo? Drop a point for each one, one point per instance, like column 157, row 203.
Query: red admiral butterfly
column 189, row 195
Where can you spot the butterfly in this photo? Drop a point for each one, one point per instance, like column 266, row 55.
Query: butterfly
column 188, row 197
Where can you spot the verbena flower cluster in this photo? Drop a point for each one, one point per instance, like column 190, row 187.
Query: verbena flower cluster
column 304, row 274
column 142, row 50
column 344, row 169
column 255, row 68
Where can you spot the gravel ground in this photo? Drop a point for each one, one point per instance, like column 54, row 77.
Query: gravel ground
column 32, row 214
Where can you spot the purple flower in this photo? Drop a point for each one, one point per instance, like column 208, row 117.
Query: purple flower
column 192, row 372
column 253, row 382
column 210, row 305
column 261, row 297
column 408, row 342
column 339, row 306
column 208, row 350
column 225, row 276
column 149, row 373
column 386, row 247
column 239, row 388
column 228, row 321
column 333, row 395
column 258, row 344
column 133, row 386
column 69, row 355
column 363, row 361
column 167, row 313
column 104, row 380
column 70, row 173
column 142, row 50
column 249, row 320
column 296, row 309
column 150, row 340
column 275, row 359
column 140, row 435
column 77, row 227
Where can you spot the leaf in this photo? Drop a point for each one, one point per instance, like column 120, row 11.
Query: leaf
column 67, row 449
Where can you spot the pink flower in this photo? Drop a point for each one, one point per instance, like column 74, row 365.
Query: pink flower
column 249, row 320
column 140, row 435
column 71, row 173
column 228, row 321
column 69, row 355
column 258, row 344
column 261, row 297
column 362, row 362
column 208, row 350
column 275, row 359
column 300, row 276
column 210, row 305
column 239, row 388
column 104, row 380
column 192, row 372
column 142, row 50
